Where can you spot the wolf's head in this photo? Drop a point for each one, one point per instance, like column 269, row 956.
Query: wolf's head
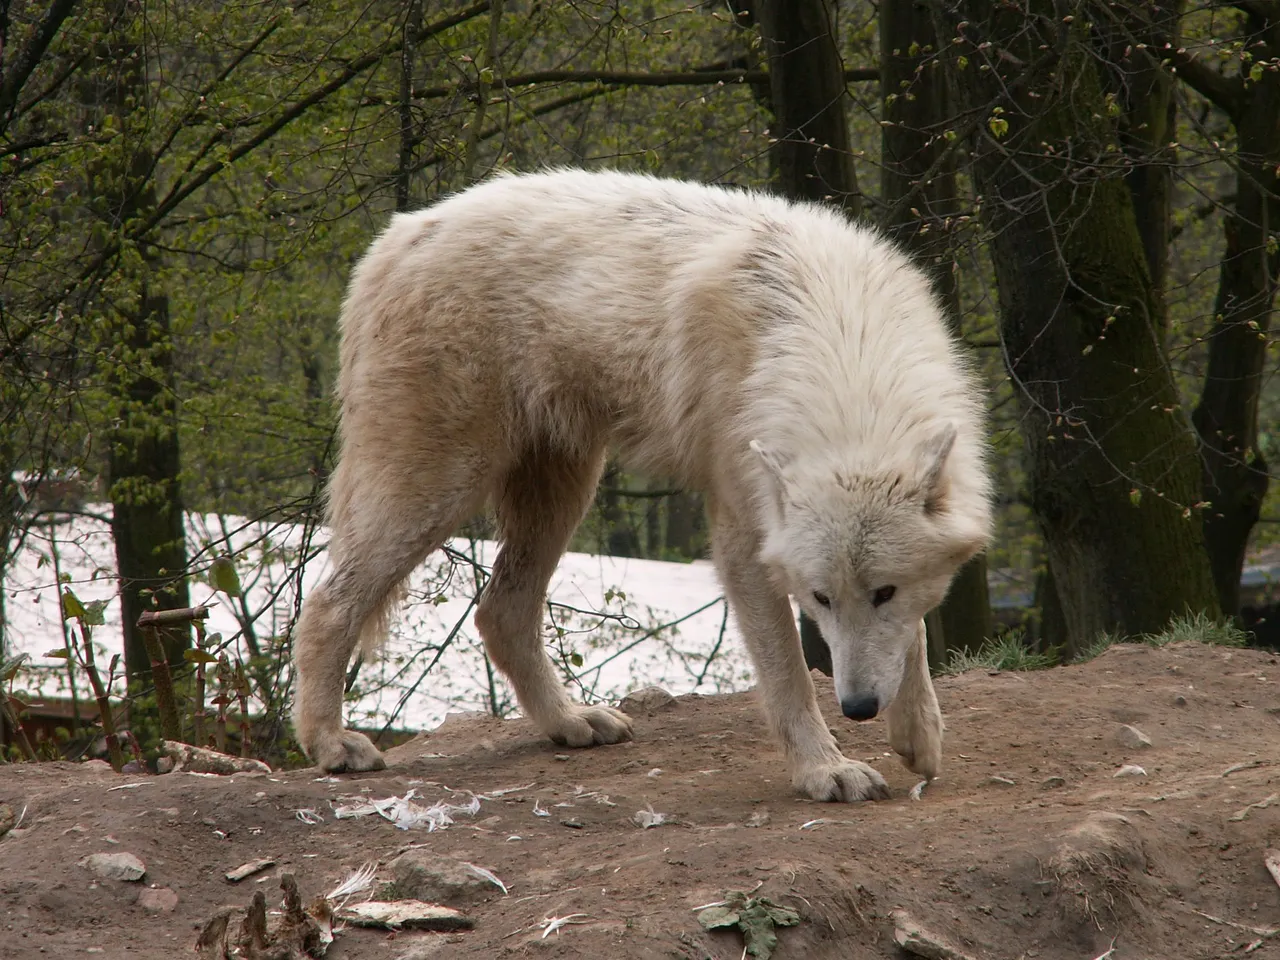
column 867, row 550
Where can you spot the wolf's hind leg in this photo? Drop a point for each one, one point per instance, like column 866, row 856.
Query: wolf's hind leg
column 381, row 531
column 914, row 717
column 540, row 503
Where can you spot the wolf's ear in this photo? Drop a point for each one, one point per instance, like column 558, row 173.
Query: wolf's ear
column 933, row 455
column 773, row 467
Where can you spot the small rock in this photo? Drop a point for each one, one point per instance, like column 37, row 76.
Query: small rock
column 134, row 767
column 997, row 781
column 1132, row 738
column 758, row 819
column 1130, row 770
column 573, row 823
column 647, row 700
column 165, row 765
column 1052, row 783
column 919, row 942
column 115, row 866
column 96, row 766
column 562, row 757
column 158, row 900
column 1179, row 701
column 7, row 818
column 418, row 875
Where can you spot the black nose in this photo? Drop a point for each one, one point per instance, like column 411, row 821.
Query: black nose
column 862, row 707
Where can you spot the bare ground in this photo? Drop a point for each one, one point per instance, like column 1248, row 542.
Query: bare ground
column 1062, row 862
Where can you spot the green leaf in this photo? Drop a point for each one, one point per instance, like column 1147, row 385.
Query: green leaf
column 758, row 919
column 717, row 918
column 755, row 917
column 93, row 613
column 9, row 668
column 1135, row 496
column 223, row 577
column 72, row 608
column 575, row 659
column 61, row 654
column 198, row 656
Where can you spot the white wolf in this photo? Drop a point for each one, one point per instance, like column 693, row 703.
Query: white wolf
column 790, row 364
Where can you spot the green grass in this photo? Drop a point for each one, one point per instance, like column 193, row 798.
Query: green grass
column 1198, row 628
column 1009, row 652
column 1193, row 628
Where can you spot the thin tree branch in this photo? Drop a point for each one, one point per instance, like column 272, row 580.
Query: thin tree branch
column 1225, row 93
column 16, row 78
column 180, row 192
column 615, row 78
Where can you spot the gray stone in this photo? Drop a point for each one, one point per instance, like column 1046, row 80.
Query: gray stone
column 646, row 700
column 158, row 900
column 115, row 866
column 418, row 875
column 1131, row 738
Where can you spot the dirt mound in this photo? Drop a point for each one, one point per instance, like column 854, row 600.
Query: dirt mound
column 1028, row 846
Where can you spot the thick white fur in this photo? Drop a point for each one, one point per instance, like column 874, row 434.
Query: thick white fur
column 790, row 364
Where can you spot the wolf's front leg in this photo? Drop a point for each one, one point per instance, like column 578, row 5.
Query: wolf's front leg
column 818, row 769
column 914, row 718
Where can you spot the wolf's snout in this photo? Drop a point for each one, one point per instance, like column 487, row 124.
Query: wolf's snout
column 863, row 706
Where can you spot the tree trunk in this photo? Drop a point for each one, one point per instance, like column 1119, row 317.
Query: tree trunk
column 1143, row 92
column 618, row 535
column 1111, row 459
column 143, row 459
column 918, row 186
column 806, row 80
column 1235, row 474
column 146, row 499
column 686, row 525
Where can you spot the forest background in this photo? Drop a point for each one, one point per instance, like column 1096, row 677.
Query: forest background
column 185, row 187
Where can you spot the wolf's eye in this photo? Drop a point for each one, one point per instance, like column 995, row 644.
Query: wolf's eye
column 883, row 595
column 822, row 599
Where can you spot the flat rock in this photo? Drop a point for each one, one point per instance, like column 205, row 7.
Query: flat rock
column 158, row 900
column 115, row 866
column 919, row 942
column 1131, row 738
column 646, row 700
column 419, row 875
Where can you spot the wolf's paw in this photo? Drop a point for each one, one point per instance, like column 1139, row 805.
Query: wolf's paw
column 590, row 726
column 845, row 781
column 345, row 752
column 916, row 736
